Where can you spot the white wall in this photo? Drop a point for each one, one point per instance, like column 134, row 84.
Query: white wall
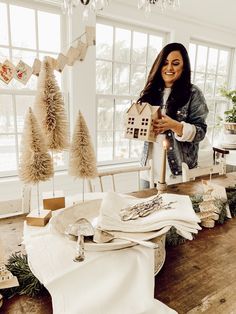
column 81, row 80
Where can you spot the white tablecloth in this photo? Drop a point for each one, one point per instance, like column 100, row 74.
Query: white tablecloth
column 111, row 282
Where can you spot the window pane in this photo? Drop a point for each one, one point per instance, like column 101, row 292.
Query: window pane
column 121, row 79
column 105, row 114
column 221, row 107
column 139, row 48
column 3, row 24
column 122, row 44
column 211, row 105
column 192, row 55
column 6, row 114
column 49, row 31
column 212, row 60
column 4, row 53
column 59, row 159
column 199, row 80
column 105, row 146
column 22, row 104
column 138, row 74
column 220, row 81
column 7, row 153
column 136, row 149
column 209, row 86
column 23, row 27
column 104, row 77
column 201, row 58
column 121, row 108
column 155, row 46
column 223, row 62
column 121, row 146
column 104, row 41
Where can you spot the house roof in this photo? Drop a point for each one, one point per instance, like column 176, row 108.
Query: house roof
column 139, row 107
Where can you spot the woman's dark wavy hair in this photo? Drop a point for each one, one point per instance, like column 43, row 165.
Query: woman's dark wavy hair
column 152, row 92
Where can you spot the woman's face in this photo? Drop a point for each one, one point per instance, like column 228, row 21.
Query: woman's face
column 172, row 68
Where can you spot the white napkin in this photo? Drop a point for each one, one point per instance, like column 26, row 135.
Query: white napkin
column 181, row 215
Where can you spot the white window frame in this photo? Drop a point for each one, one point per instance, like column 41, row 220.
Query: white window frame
column 113, row 97
column 27, row 92
column 213, row 124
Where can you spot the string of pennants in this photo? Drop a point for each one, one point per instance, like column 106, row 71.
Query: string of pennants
column 22, row 71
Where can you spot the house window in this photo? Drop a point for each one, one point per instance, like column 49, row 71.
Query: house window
column 26, row 33
column 124, row 55
column 210, row 71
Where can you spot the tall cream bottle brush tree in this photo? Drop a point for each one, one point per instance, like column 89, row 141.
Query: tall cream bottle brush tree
column 82, row 159
column 50, row 110
column 35, row 162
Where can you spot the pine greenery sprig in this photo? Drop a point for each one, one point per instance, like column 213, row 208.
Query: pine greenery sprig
column 231, row 195
column 173, row 238
column 18, row 265
column 196, row 200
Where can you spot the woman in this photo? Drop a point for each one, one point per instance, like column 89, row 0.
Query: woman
column 184, row 112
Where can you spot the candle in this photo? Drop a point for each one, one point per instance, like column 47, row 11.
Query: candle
column 163, row 166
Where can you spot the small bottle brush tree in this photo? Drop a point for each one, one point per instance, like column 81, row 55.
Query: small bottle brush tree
column 82, row 159
column 35, row 162
column 50, row 110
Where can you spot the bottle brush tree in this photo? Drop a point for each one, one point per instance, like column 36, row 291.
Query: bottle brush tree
column 82, row 159
column 35, row 161
column 50, row 109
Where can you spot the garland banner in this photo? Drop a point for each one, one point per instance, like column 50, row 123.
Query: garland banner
column 22, row 71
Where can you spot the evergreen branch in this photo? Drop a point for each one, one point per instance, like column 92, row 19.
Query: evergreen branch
column 18, row 265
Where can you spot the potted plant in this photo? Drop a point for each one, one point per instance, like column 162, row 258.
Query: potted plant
column 230, row 115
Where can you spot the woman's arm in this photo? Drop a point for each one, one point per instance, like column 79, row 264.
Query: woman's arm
column 193, row 126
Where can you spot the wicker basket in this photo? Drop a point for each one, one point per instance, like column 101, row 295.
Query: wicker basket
column 159, row 253
column 230, row 126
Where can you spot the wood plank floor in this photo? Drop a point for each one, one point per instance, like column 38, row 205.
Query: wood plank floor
column 198, row 276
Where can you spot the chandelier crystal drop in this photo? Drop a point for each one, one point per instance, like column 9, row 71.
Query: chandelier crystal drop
column 98, row 5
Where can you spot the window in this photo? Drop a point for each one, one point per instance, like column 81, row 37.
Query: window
column 22, row 37
column 210, row 71
column 124, row 56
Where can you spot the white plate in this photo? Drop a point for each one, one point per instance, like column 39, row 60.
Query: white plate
column 90, row 211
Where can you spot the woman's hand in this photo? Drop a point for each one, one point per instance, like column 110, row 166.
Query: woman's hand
column 167, row 123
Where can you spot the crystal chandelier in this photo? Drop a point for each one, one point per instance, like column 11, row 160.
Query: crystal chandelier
column 98, row 5
column 95, row 5
column 146, row 5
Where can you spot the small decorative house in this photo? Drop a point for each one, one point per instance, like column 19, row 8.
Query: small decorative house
column 138, row 121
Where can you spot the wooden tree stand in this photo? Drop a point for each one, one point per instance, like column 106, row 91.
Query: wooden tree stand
column 55, row 201
column 38, row 218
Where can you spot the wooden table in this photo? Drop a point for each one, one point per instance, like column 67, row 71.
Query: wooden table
column 195, row 275
column 191, row 187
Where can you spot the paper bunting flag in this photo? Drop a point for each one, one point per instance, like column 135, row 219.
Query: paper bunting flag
column 72, row 55
column 22, row 72
column 7, row 71
column 36, row 67
column 90, row 35
column 61, row 62
column 83, row 51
